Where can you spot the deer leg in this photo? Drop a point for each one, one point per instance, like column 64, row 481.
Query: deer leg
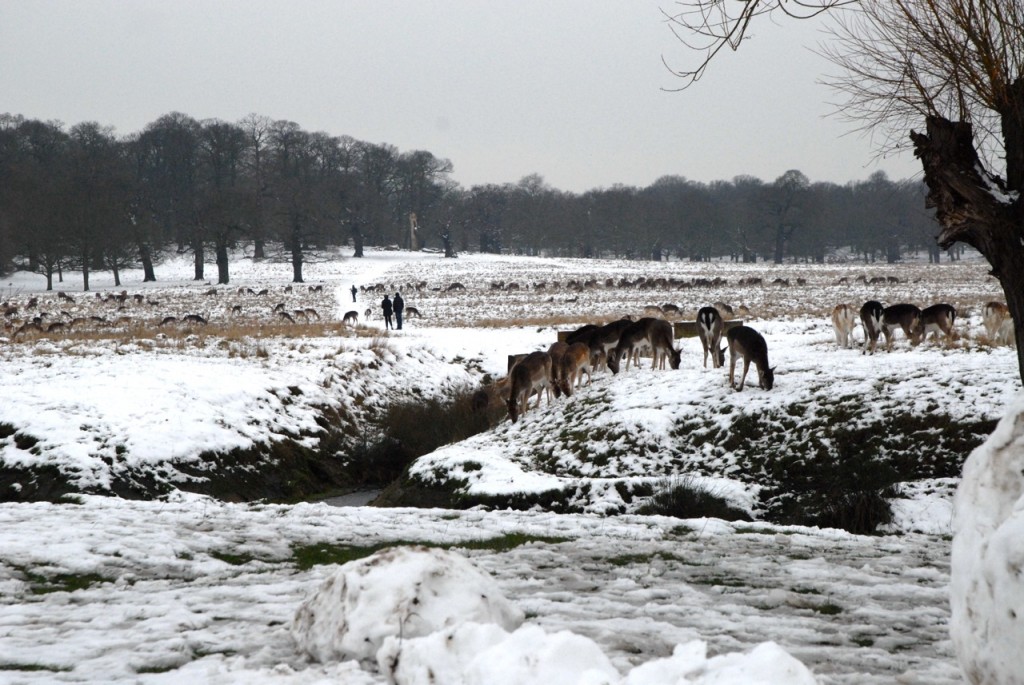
column 743, row 378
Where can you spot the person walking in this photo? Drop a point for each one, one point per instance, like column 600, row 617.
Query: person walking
column 385, row 305
column 399, row 305
column 353, row 293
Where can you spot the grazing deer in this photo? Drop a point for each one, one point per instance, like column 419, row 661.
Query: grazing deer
column 194, row 318
column 350, row 318
column 605, row 339
column 745, row 342
column 653, row 310
column 993, row 315
column 581, row 334
column 575, row 363
column 647, row 333
column 709, row 330
column 531, row 375
column 724, row 309
column 166, row 320
column 557, row 351
column 938, row 318
column 286, row 317
column 871, row 318
column 411, row 312
column 904, row 316
column 843, row 320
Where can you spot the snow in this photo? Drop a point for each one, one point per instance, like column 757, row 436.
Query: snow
column 189, row 589
column 987, row 589
column 400, row 593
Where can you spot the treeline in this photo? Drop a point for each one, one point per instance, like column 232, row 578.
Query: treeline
column 86, row 199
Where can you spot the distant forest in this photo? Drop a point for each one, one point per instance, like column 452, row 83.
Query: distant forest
column 83, row 198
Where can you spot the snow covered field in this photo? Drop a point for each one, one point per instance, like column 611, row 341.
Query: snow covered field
column 194, row 590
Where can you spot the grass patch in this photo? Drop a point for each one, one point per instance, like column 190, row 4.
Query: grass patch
column 232, row 559
column 308, row 556
column 32, row 668
column 63, row 582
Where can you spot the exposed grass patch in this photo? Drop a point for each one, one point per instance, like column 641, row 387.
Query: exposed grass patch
column 63, row 582
column 232, row 559
column 308, row 556
column 32, row 668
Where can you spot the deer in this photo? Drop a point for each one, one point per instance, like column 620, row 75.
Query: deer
column 411, row 312
column 531, row 375
column 904, row 316
column 871, row 318
column 993, row 316
column 605, row 339
column 647, row 333
column 938, row 318
column 745, row 342
column 843, row 320
column 575, row 363
column 709, row 330
column 350, row 318
column 556, row 351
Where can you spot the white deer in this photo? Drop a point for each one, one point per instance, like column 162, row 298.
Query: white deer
column 844, row 318
column 709, row 330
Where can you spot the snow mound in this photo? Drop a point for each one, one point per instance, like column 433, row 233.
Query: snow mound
column 402, row 592
column 474, row 654
column 987, row 561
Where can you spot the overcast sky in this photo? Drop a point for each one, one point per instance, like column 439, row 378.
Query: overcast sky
column 573, row 91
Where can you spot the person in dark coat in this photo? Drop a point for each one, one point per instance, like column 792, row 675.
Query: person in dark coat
column 353, row 293
column 385, row 305
column 399, row 306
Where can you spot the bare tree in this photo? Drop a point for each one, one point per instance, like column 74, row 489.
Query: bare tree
column 955, row 66
column 709, row 26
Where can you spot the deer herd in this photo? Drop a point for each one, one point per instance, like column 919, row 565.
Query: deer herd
column 619, row 344
column 917, row 324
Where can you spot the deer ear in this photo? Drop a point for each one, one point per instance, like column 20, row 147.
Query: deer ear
column 773, row 369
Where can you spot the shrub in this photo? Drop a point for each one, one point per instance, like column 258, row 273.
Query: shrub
column 684, row 497
column 413, row 428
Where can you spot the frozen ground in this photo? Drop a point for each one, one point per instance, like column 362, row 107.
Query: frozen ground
column 200, row 590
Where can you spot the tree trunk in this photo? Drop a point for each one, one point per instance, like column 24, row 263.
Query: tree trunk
column 117, row 274
column 296, row 264
column 199, row 257
column 357, row 241
column 975, row 207
column 259, row 249
column 222, row 262
column 146, row 257
column 449, row 249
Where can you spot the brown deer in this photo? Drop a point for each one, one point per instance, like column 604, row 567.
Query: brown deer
column 647, row 333
column 843, row 320
column 993, row 316
column 531, row 375
column 350, row 318
column 557, row 351
column 412, row 312
column 709, row 330
column 938, row 318
column 745, row 342
column 871, row 318
column 903, row 316
column 575, row 363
